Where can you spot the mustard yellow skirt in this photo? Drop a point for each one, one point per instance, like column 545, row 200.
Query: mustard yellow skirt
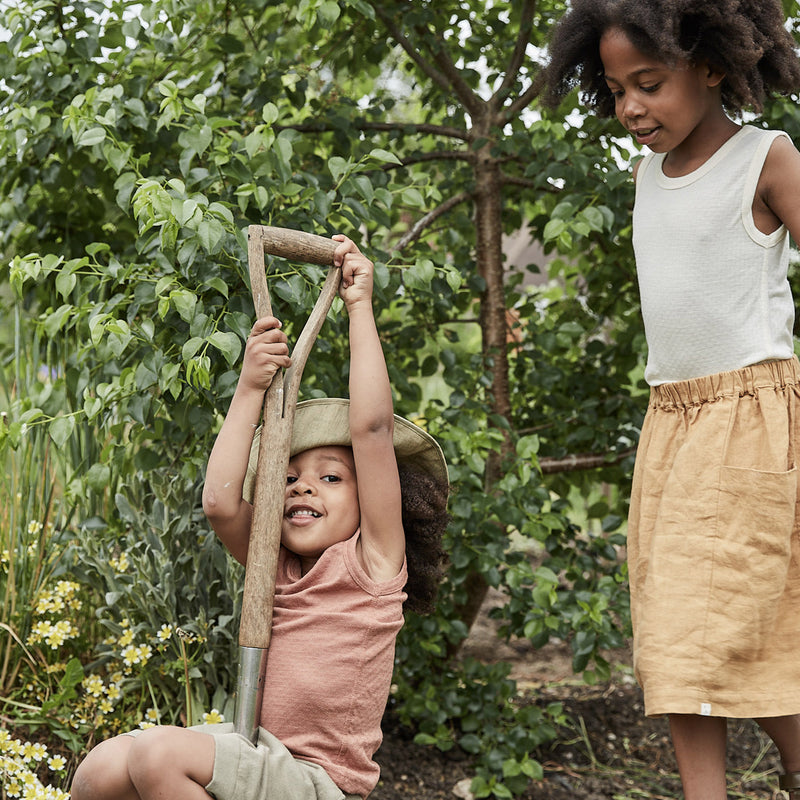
column 714, row 545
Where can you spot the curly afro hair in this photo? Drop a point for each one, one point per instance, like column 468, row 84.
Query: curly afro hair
column 744, row 39
column 425, row 517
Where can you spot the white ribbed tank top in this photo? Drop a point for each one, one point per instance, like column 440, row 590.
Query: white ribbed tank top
column 714, row 291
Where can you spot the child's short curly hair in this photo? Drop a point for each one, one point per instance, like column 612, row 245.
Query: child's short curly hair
column 425, row 517
column 744, row 39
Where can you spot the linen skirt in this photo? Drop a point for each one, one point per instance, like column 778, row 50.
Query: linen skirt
column 714, row 545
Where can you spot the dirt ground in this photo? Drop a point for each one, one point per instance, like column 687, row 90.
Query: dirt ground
column 609, row 749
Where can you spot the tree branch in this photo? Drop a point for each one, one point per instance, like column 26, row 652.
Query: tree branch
column 434, row 74
column 582, row 461
column 447, row 77
column 520, row 48
column 428, row 219
column 436, row 130
column 442, row 155
column 525, row 99
column 528, row 183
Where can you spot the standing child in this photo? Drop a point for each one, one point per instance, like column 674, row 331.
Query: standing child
column 714, row 529
column 365, row 497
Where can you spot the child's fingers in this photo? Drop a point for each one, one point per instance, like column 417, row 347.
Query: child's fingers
column 266, row 351
column 344, row 247
column 265, row 324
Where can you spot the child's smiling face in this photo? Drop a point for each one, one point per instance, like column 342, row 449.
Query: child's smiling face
column 321, row 502
column 664, row 106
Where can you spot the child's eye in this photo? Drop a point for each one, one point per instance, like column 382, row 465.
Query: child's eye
column 331, row 478
column 650, row 88
column 290, row 479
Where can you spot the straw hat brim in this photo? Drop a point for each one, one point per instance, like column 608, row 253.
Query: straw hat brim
column 324, row 422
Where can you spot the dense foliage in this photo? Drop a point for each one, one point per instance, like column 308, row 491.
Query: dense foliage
column 140, row 141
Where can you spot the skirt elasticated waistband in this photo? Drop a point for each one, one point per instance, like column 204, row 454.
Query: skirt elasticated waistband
column 745, row 381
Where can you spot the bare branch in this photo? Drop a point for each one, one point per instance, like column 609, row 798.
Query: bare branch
column 526, row 98
column 436, row 76
column 582, row 461
column 449, row 78
column 518, row 56
column 436, row 130
column 528, row 183
column 441, row 155
column 428, row 219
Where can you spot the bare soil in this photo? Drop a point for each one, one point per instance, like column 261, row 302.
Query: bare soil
column 609, row 749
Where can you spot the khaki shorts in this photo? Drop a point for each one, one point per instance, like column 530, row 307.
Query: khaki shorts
column 269, row 771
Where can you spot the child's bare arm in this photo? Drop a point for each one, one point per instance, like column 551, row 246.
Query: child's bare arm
column 779, row 185
column 265, row 353
column 371, row 422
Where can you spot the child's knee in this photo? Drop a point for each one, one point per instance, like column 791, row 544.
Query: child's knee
column 104, row 771
column 166, row 753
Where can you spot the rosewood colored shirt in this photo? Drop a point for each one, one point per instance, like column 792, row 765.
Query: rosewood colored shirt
column 330, row 663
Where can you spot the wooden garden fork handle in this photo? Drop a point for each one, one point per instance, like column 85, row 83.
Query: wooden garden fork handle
column 255, row 629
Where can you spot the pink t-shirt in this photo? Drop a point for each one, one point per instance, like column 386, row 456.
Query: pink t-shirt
column 330, row 662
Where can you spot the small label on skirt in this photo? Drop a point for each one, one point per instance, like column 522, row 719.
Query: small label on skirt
column 705, row 709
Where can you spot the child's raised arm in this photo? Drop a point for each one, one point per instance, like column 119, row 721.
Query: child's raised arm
column 382, row 543
column 266, row 352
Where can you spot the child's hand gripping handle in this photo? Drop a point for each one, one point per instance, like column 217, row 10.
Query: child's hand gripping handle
column 255, row 628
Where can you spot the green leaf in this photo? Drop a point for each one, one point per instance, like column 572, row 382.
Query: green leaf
column 553, row 229
column 184, row 302
column 229, row 344
column 60, row 430
column 338, row 167
column 198, row 139
column 98, row 477
column 210, row 232
column 270, row 113
column 384, row 156
column 191, row 347
column 90, row 137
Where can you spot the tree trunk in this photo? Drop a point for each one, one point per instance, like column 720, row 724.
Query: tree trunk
column 492, row 317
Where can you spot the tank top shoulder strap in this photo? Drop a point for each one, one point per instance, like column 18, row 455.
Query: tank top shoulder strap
column 766, row 140
column 645, row 166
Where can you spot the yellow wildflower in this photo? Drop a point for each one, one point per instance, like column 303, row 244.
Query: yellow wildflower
column 120, row 564
column 41, row 630
column 93, row 685
column 133, row 654
column 57, row 763
column 56, row 635
column 126, row 638
column 165, row 633
column 213, row 717
column 35, row 752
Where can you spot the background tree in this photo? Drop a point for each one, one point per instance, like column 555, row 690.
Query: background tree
column 141, row 140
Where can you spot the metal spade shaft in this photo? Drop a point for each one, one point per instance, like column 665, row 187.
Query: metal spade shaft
column 255, row 629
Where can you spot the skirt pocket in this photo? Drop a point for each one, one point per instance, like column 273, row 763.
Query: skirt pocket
column 752, row 554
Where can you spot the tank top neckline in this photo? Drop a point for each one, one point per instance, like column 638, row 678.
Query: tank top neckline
column 679, row 182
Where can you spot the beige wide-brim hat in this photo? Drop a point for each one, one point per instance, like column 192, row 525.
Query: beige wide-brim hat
column 324, row 422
